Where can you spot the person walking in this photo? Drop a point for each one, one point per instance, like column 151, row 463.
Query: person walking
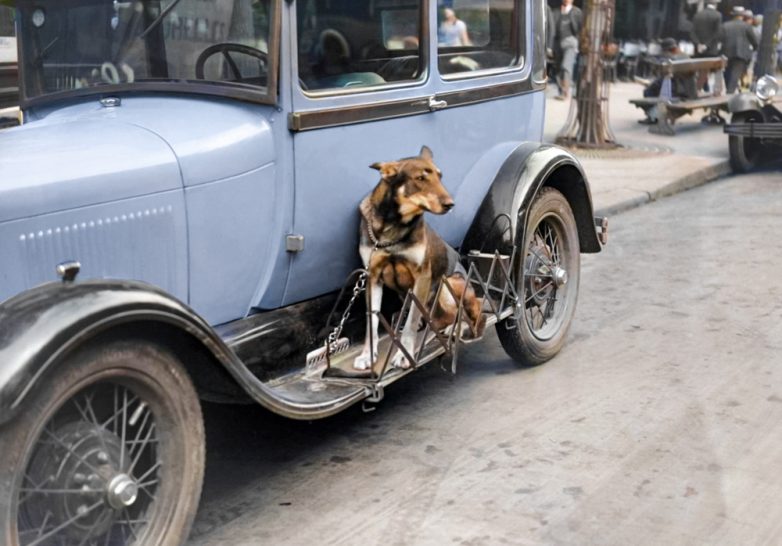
column 738, row 43
column 567, row 24
column 706, row 31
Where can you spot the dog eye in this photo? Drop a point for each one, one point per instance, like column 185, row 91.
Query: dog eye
column 421, row 177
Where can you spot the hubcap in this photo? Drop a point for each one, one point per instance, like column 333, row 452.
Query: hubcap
column 559, row 275
column 121, row 491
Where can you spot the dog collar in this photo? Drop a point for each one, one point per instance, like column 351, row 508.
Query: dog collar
column 371, row 233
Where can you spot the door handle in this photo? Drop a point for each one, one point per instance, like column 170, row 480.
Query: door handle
column 435, row 104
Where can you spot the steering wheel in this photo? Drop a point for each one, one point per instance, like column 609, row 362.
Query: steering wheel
column 225, row 49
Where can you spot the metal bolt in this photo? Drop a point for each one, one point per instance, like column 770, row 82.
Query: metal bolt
column 82, row 509
column 103, row 456
column 79, row 477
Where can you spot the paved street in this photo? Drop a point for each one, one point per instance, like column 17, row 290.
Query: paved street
column 657, row 424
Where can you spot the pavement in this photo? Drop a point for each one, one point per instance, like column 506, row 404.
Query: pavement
column 654, row 166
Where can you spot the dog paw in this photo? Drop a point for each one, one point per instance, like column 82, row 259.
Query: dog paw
column 362, row 362
column 400, row 361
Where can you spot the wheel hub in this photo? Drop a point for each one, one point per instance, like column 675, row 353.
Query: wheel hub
column 121, row 491
column 559, row 276
column 82, row 464
column 543, row 276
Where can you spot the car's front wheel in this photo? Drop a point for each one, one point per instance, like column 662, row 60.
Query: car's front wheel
column 745, row 152
column 546, row 282
column 109, row 449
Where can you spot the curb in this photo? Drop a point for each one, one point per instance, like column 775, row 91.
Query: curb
column 687, row 182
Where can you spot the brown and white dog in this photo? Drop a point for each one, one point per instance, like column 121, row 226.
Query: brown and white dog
column 401, row 252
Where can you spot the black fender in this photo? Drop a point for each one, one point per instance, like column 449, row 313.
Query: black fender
column 527, row 169
column 744, row 102
column 41, row 326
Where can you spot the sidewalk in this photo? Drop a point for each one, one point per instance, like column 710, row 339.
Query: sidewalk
column 656, row 166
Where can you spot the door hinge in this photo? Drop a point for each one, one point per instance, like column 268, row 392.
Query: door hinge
column 294, row 243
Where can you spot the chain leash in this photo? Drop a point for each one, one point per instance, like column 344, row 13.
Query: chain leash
column 358, row 288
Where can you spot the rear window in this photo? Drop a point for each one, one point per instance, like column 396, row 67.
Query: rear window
column 345, row 44
column 477, row 35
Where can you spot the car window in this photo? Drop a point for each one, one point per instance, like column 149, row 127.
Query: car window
column 475, row 35
column 344, row 44
column 90, row 43
column 7, row 36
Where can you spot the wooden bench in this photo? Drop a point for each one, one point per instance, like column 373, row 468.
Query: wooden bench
column 694, row 72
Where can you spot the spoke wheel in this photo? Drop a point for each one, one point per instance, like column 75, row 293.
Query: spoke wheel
column 745, row 152
column 109, row 451
column 547, row 282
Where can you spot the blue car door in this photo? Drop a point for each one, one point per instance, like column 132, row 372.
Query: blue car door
column 375, row 83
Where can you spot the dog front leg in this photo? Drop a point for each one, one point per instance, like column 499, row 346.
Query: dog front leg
column 368, row 356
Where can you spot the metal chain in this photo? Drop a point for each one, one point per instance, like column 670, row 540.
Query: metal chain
column 358, row 288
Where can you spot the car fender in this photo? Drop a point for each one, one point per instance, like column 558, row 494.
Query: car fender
column 42, row 326
column 526, row 170
column 744, row 102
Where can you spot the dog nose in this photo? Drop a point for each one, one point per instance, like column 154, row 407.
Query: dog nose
column 448, row 205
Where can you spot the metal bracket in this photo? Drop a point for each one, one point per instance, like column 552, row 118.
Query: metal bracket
column 376, row 396
column 601, row 225
column 294, row 243
column 67, row 271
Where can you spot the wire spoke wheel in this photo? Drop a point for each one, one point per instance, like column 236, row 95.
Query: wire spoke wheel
column 115, row 459
column 547, row 282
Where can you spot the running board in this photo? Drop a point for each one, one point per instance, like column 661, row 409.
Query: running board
column 316, row 387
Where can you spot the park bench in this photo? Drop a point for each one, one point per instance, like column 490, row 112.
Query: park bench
column 695, row 73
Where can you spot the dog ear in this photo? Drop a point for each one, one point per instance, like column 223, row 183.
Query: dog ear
column 388, row 169
column 426, row 153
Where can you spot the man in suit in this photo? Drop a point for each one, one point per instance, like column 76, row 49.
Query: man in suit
column 567, row 24
column 706, row 31
column 738, row 43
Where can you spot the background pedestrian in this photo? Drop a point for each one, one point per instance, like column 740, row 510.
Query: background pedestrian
column 568, row 21
column 706, row 31
column 453, row 31
column 738, row 43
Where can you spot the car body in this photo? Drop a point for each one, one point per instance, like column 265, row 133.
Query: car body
column 203, row 165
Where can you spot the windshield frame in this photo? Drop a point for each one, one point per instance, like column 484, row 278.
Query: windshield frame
column 232, row 90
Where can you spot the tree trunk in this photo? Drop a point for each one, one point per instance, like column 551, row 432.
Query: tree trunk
column 587, row 124
column 765, row 62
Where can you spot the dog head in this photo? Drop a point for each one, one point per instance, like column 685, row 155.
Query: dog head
column 416, row 185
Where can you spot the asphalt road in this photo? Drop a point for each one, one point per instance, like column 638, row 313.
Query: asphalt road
column 659, row 423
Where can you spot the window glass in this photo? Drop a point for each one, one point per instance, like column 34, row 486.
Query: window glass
column 477, row 35
column 73, row 44
column 7, row 36
column 344, row 44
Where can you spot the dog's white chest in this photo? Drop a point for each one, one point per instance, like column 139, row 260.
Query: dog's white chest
column 414, row 254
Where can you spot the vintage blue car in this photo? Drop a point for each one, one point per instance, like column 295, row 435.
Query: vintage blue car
column 198, row 164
